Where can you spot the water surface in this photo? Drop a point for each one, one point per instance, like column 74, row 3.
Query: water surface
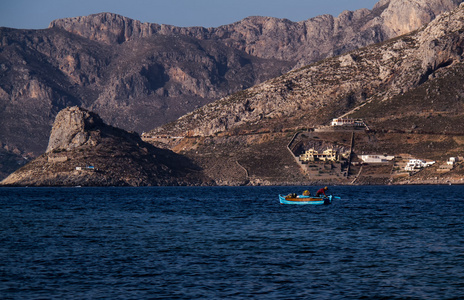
column 231, row 242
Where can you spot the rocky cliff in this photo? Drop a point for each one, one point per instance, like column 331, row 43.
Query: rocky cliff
column 84, row 151
column 138, row 76
column 265, row 37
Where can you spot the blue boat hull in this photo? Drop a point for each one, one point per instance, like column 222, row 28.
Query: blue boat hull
column 306, row 200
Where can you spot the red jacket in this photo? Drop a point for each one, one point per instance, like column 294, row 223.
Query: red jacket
column 320, row 191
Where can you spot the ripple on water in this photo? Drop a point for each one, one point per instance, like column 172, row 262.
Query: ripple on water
column 186, row 243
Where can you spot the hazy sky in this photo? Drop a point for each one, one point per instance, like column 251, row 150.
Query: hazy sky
column 37, row 14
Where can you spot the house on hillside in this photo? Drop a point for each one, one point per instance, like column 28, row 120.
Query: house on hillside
column 450, row 164
column 347, row 122
column 417, row 164
column 314, row 155
column 452, row 161
column 373, row 158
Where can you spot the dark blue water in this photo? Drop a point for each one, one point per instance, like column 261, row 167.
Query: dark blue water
column 234, row 243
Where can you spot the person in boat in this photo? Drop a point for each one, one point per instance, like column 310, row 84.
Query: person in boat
column 321, row 192
column 306, row 193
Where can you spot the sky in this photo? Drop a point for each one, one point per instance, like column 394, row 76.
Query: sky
column 37, row 14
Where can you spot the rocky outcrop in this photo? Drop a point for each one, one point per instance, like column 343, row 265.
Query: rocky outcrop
column 72, row 129
column 401, row 16
column 84, row 151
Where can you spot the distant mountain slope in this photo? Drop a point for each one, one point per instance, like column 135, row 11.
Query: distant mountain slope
column 135, row 85
column 409, row 90
column 371, row 76
column 138, row 76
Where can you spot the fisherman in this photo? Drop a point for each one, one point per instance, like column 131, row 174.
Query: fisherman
column 322, row 192
column 306, row 193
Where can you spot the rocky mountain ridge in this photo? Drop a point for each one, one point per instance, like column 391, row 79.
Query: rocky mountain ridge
column 148, row 81
column 314, row 94
column 266, row 37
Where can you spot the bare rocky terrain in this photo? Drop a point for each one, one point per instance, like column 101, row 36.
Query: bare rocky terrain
column 366, row 78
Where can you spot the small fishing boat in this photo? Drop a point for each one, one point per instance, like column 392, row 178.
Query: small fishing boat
column 301, row 199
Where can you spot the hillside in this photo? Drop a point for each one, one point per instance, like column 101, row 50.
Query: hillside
column 408, row 90
column 138, row 76
column 369, row 77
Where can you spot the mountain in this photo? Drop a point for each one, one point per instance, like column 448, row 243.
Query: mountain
column 408, row 90
column 136, row 85
column 314, row 94
column 85, row 151
column 138, row 76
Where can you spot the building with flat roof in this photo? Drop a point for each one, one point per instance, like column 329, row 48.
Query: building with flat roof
column 374, row 158
column 314, row 155
column 347, row 121
column 415, row 164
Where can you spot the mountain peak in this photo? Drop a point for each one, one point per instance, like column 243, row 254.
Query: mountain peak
column 403, row 16
column 104, row 27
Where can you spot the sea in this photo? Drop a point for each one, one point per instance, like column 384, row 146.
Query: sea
column 375, row 242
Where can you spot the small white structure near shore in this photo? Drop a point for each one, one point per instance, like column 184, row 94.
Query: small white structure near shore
column 417, row 164
column 452, row 161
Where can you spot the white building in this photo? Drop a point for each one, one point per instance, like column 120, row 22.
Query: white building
column 372, row 158
column 451, row 161
column 417, row 164
column 347, row 121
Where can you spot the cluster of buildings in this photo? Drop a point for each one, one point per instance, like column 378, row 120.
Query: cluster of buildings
column 414, row 164
column 333, row 155
column 315, row 155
